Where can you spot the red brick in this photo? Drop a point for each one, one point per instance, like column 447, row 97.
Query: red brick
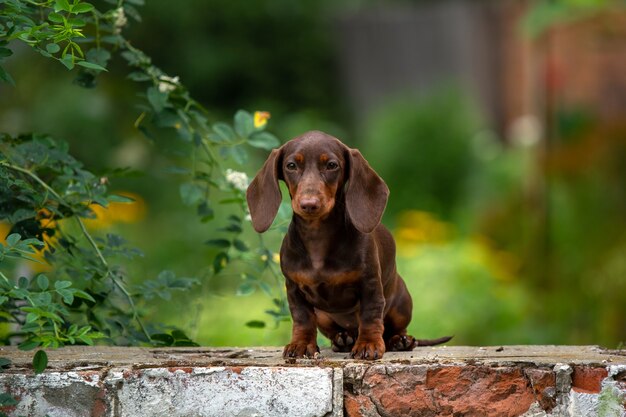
column 588, row 380
column 100, row 407
column 446, row 391
column 358, row 406
column 543, row 383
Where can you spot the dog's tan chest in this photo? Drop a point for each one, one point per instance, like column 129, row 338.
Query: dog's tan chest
column 316, row 276
column 329, row 291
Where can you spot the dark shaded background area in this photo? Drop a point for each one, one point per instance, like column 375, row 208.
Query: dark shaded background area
column 498, row 126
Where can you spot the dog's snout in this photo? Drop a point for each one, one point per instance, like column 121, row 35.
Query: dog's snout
column 310, row 205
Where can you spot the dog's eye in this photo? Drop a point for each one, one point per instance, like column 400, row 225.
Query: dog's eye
column 332, row 165
column 291, row 166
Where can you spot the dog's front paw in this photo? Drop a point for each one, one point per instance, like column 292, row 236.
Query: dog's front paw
column 301, row 350
column 368, row 349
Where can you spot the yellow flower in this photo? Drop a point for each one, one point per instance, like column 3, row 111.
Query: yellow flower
column 260, row 118
column 5, row 228
column 117, row 212
column 276, row 258
column 416, row 228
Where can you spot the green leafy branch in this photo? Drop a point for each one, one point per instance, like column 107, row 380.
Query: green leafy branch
column 52, row 28
column 77, row 34
column 82, row 194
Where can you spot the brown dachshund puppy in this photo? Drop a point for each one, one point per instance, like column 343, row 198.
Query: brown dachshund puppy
column 338, row 260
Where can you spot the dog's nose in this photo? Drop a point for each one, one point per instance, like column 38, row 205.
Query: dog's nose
column 310, row 204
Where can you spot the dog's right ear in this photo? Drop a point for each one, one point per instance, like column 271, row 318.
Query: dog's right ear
column 263, row 193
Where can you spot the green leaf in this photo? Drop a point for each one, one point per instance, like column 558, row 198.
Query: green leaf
column 244, row 123
column 42, row 282
column 179, row 334
column 6, row 77
column 82, row 8
column 53, row 48
column 30, row 327
column 138, row 76
column 218, row 243
column 84, row 295
column 43, row 313
column 55, row 18
column 28, row 345
column 76, row 22
column 220, row 262
column 205, row 212
column 68, row 61
column 31, row 317
column 191, row 193
column 98, row 56
column 264, row 140
column 91, row 65
column 163, row 338
column 240, row 245
column 68, row 296
column 13, row 239
column 59, row 285
column 157, row 99
column 22, row 283
column 61, row 5
column 40, row 361
column 256, row 324
column 116, row 198
column 233, row 228
column 132, row 12
column 5, row 52
column 239, row 154
column 224, row 131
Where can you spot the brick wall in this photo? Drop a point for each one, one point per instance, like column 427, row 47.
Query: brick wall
column 442, row 381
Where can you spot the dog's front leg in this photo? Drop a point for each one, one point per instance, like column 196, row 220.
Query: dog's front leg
column 369, row 344
column 304, row 331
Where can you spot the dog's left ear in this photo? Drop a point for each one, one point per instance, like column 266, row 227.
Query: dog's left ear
column 263, row 193
column 366, row 193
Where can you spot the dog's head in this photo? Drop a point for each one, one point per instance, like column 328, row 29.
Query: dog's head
column 316, row 168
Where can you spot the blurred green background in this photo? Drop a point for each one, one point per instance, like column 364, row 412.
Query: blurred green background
column 498, row 127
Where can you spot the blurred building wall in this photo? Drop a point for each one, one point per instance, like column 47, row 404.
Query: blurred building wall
column 411, row 49
column 481, row 47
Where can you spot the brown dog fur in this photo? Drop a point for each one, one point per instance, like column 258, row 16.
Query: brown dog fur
column 338, row 260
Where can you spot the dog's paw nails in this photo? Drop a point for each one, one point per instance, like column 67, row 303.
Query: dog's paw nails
column 300, row 350
column 368, row 350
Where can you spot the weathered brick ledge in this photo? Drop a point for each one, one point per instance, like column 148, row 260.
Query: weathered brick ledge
column 443, row 381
